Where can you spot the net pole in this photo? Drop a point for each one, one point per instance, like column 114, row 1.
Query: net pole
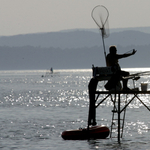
column 100, row 16
column 104, row 45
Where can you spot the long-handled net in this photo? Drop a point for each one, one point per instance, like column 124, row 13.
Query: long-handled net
column 100, row 15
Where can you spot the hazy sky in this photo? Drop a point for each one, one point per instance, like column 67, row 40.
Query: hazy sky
column 32, row 16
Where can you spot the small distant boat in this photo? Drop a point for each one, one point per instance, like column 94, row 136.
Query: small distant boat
column 94, row 132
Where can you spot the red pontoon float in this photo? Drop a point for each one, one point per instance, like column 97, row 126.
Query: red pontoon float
column 94, row 132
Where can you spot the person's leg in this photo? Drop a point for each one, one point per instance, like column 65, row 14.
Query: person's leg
column 114, row 82
column 92, row 110
column 125, row 81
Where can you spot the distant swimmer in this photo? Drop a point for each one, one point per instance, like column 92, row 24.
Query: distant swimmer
column 51, row 70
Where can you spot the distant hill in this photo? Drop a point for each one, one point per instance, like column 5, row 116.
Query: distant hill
column 28, row 57
column 75, row 49
column 77, row 39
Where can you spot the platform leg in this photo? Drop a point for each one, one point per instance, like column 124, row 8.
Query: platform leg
column 92, row 108
column 118, row 118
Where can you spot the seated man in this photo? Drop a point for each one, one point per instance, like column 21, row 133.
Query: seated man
column 113, row 83
column 112, row 60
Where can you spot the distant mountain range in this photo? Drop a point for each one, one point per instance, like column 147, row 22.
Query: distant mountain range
column 72, row 49
column 78, row 38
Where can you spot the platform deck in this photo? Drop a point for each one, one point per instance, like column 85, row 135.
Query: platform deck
column 122, row 92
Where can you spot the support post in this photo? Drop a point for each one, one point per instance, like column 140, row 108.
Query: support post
column 119, row 118
column 92, row 108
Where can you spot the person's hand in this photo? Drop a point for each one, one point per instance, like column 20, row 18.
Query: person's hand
column 134, row 51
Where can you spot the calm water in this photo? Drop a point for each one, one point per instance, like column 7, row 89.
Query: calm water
column 35, row 110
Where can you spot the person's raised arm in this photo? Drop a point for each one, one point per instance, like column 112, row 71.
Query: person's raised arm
column 126, row 55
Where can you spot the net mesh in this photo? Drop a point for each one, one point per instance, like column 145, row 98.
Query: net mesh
column 100, row 15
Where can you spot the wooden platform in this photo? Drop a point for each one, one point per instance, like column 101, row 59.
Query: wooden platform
column 117, row 100
column 122, row 92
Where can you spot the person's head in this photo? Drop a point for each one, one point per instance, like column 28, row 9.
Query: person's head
column 112, row 49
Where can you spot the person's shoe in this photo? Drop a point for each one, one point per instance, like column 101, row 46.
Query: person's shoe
column 94, row 123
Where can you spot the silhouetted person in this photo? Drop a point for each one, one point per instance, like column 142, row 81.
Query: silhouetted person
column 112, row 60
column 51, row 70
